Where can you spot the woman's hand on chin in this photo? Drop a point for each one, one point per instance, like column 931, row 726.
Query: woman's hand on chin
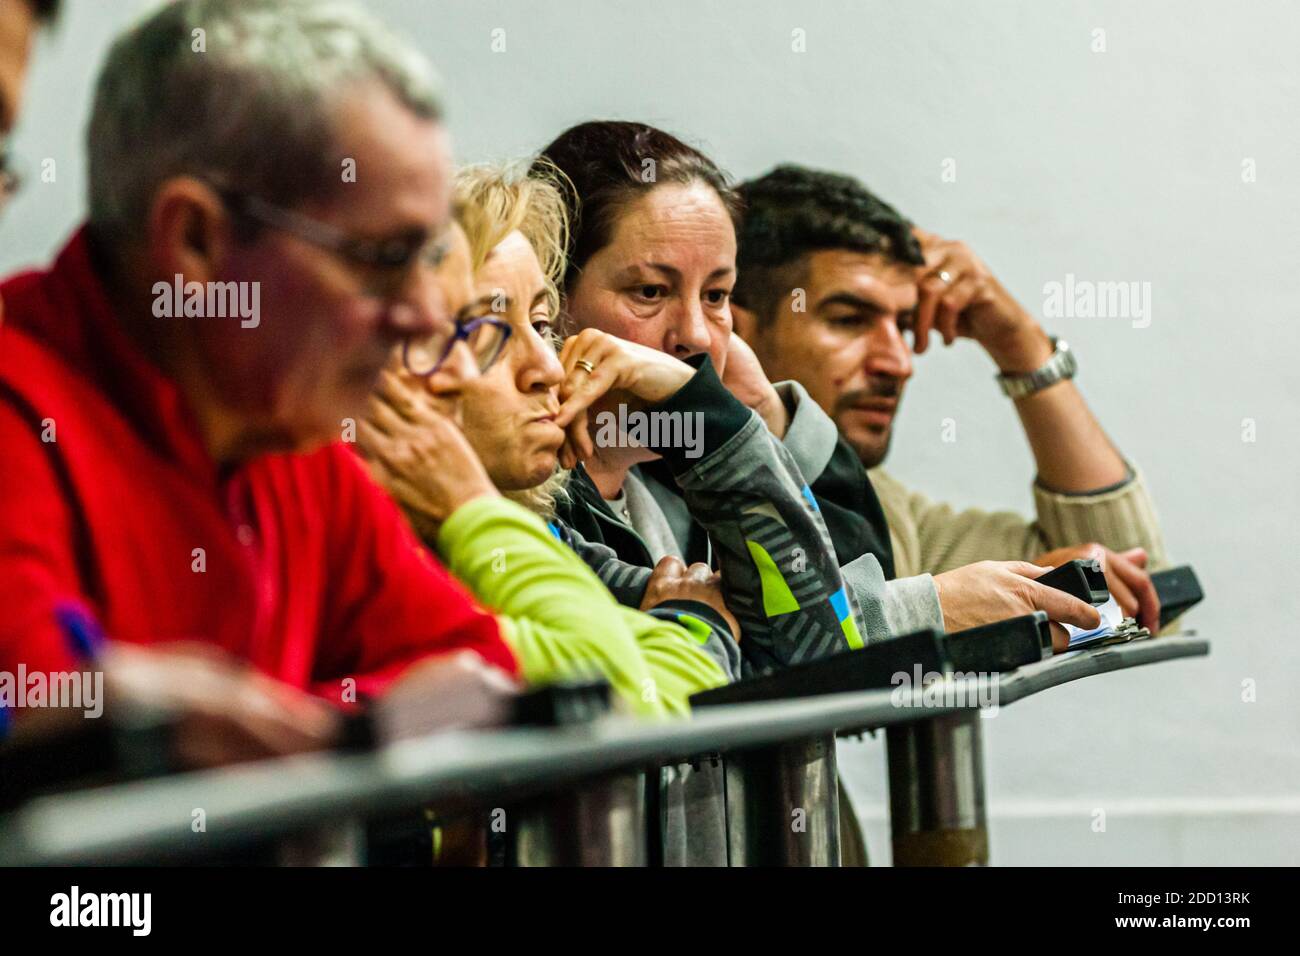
column 600, row 366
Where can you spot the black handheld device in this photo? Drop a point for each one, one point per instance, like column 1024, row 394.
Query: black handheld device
column 1178, row 590
column 1081, row 578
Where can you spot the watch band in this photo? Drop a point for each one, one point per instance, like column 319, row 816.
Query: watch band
column 1061, row 366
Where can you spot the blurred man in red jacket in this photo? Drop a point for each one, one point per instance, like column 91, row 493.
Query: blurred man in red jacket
column 269, row 192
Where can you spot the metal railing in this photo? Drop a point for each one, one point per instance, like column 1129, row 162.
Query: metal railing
column 575, row 794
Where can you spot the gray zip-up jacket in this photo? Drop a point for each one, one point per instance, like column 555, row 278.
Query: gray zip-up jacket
column 887, row 607
column 780, row 575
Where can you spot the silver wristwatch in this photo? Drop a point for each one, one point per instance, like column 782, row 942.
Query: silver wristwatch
column 1056, row 369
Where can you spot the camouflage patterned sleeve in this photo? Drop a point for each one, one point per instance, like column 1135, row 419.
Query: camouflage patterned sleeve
column 779, row 571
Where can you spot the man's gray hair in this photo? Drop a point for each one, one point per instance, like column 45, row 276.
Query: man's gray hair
column 241, row 92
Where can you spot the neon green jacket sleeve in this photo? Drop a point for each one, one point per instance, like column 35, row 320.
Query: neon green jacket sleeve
column 679, row 665
column 558, row 617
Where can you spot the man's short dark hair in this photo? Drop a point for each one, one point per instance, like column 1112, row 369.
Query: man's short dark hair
column 794, row 211
column 46, row 10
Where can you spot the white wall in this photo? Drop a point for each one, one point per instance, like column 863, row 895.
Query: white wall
column 1117, row 165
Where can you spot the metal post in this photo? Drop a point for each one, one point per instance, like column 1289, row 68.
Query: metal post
column 936, row 791
column 783, row 804
column 693, row 826
column 342, row 844
column 600, row 822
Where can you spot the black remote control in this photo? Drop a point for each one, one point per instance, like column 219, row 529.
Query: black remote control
column 1082, row 578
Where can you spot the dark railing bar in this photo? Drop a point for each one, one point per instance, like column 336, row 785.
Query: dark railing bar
column 146, row 819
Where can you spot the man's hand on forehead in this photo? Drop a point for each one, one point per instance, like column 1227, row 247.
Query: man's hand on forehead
column 959, row 297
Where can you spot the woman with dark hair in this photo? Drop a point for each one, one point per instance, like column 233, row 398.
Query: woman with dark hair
column 652, row 262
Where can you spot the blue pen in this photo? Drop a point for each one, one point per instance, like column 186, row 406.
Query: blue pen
column 85, row 637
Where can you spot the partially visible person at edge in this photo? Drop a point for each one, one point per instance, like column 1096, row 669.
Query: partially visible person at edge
column 867, row 279
column 20, row 21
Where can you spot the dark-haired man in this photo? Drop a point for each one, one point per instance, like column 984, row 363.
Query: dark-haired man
column 832, row 279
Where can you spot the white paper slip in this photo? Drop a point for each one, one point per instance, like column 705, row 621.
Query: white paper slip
column 1111, row 618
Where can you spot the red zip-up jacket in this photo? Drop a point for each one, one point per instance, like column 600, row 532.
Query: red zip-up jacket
column 298, row 563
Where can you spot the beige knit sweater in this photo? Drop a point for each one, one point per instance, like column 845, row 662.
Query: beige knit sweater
column 932, row 537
